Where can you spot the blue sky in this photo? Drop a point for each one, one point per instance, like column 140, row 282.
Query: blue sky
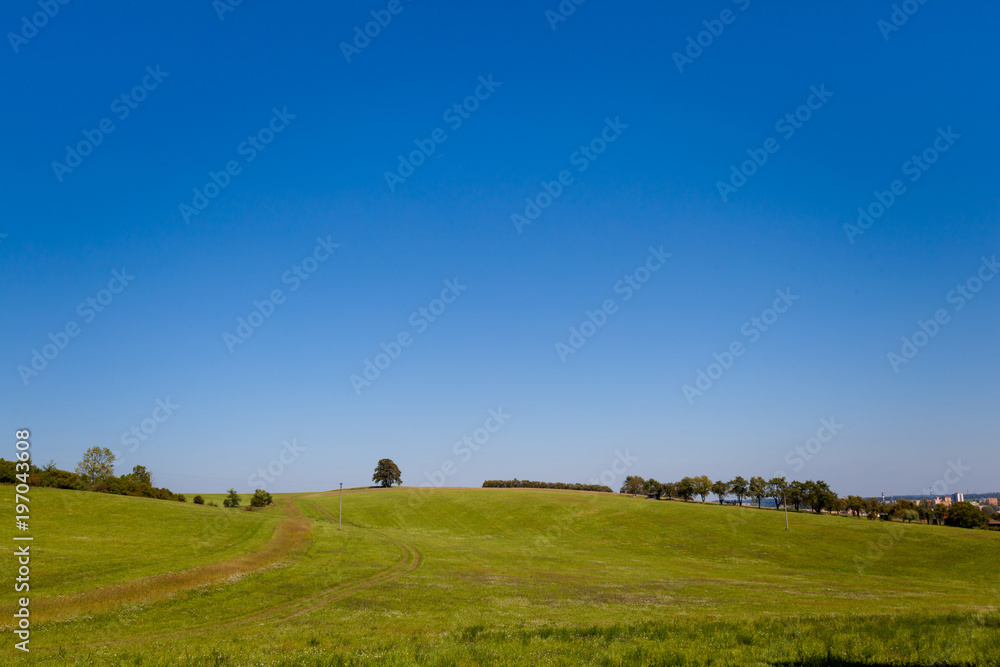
column 600, row 90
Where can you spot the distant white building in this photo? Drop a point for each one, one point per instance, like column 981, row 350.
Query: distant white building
column 958, row 497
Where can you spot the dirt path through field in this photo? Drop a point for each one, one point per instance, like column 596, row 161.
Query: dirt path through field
column 409, row 561
column 291, row 533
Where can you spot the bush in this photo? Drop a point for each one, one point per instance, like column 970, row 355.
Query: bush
column 198, row 500
column 261, row 498
column 226, row 502
column 233, row 499
column 180, row 497
column 212, row 503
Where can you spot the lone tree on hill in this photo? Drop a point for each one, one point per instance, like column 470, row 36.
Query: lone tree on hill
column 97, row 463
column 387, row 473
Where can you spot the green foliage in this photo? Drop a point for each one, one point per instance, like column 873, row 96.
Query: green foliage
column 261, row 498
column 97, row 463
column 232, row 499
column 180, row 497
column 198, row 500
column 721, row 489
column 632, row 485
column 909, row 516
column 740, row 487
column 965, row 515
column 387, row 473
column 757, row 489
column 528, row 484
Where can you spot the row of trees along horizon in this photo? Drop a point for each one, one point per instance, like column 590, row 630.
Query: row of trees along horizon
column 814, row 495
column 96, row 472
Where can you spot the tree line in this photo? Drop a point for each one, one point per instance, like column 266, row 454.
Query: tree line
column 814, row 495
column 528, row 484
column 94, row 472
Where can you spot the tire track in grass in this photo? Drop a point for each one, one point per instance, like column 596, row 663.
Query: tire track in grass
column 410, row 560
column 290, row 534
column 408, row 563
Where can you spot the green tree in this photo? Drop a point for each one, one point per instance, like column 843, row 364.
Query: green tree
column 965, row 515
column 940, row 512
column 721, row 489
column 873, row 508
column 387, row 473
column 633, row 484
column 757, row 489
column 261, row 498
column 739, row 487
column 909, row 516
column 777, row 489
column 97, row 463
column 702, row 486
column 232, row 499
column 685, row 488
column 855, row 504
column 651, row 486
column 140, row 475
column 670, row 489
column 796, row 494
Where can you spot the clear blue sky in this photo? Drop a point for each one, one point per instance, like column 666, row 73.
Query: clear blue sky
column 885, row 96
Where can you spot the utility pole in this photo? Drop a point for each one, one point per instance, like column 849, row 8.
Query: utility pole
column 340, row 523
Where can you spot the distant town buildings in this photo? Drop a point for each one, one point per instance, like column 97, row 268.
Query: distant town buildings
column 958, row 497
column 990, row 501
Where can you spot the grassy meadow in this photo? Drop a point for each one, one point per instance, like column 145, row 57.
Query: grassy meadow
column 499, row 576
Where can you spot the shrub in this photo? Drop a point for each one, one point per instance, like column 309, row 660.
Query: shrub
column 233, row 498
column 261, row 498
column 198, row 500
column 226, row 502
column 212, row 503
column 180, row 497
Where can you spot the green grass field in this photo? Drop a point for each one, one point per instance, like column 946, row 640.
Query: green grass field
column 500, row 576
